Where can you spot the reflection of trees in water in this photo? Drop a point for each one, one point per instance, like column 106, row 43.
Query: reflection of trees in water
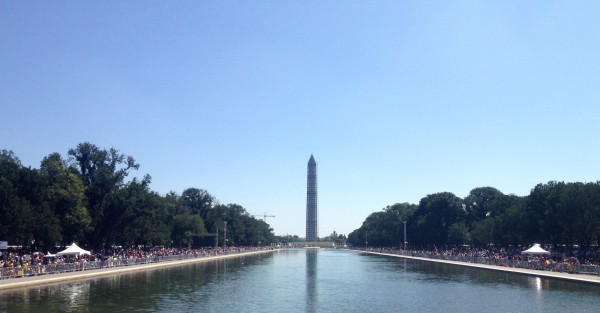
column 439, row 272
column 73, row 296
column 312, row 293
column 76, row 295
column 431, row 271
column 152, row 289
column 140, row 290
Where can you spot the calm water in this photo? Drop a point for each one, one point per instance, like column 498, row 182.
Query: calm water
column 309, row 281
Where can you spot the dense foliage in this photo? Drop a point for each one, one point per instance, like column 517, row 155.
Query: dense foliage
column 554, row 213
column 88, row 199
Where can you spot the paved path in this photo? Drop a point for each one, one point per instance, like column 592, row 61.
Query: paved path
column 14, row 283
column 594, row 279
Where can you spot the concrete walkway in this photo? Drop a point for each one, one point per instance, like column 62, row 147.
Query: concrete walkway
column 594, row 279
column 21, row 282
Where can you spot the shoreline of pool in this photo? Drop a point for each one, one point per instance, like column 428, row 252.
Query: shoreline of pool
column 584, row 278
column 37, row 280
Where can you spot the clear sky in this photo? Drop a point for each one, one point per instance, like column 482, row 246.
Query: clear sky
column 395, row 99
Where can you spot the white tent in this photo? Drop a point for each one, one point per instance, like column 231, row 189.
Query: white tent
column 73, row 250
column 535, row 249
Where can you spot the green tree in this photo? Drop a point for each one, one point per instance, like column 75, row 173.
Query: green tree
column 15, row 210
column 484, row 232
column 435, row 215
column 185, row 227
column 397, row 214
column 103, row 173
column 478, row 204
column 542, row 214
column 509, row 223
column 65, row 195
column 458, row 234
column 580, row 204
column 385, row 228
column 197, row 201
column 140, row 217
column 337, row 239
column 242, row 229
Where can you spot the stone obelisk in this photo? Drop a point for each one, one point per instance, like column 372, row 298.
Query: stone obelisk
column 312, row 217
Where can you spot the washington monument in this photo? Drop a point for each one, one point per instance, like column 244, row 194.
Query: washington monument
column 312, row 217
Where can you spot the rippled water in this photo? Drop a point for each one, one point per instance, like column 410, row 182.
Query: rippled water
column 307, row 280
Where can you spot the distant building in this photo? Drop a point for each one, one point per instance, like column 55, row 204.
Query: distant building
column 312, row 217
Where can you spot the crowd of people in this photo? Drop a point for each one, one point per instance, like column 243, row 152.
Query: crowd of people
column 559, row 260
column 16, row 264
column 14, row 259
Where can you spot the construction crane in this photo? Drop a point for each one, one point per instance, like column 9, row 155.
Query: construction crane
column 265, row 216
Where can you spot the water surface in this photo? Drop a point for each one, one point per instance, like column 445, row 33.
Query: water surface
column 309, row 280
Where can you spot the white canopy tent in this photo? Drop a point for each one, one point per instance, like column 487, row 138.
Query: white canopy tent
column 535, row 249
column 73, row 250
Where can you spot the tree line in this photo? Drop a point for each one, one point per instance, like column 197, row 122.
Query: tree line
column 556, row 213
column 87, row 198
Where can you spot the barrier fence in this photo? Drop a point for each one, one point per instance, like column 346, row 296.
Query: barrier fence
column 531, row 263
column 34, row 270
column 534, row 264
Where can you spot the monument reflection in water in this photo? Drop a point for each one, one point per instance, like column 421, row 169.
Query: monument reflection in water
column 309, row 280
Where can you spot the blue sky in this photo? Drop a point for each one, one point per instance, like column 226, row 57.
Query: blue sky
column 395, row 99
